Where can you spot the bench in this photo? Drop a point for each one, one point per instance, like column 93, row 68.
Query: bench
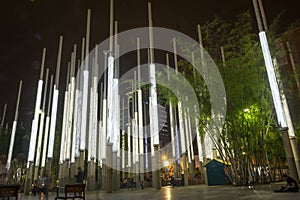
column 72, row 191
column 9, row 191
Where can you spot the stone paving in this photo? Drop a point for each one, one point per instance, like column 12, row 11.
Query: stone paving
column 264, row 192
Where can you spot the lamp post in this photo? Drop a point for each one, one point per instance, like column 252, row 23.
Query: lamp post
column 275, row 93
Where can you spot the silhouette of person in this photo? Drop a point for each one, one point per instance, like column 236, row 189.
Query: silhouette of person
column 80, row 175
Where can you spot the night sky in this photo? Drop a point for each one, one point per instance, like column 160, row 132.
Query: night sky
column 27, row 26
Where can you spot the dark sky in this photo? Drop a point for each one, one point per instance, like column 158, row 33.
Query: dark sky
column 27, row 26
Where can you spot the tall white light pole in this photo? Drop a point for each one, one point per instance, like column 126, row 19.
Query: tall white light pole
column 47, row 124
column 275, row 93
column 85, row 89
column 153, row 92
column 171, row 114
column 203, row 143
column 54, row 109
column 41, row 130
column 35, row 121
column 14, row 128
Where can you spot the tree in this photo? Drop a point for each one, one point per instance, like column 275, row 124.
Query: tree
column 250, row 129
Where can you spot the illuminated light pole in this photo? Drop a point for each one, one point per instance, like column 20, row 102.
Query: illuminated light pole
column 154, row 131
column 70, row 139
column 62, row 175
column 100, row 136
column 171, row 115
column 14, row 128
column 34, row 128
column 203, row 143
column 186, row 133
column 93, row 123
column 289, row 122
column 110, row 146
column 79, row 153
column 123, row 164
column 47, row 124
column 153, row 92
column 198, row 138
column 172, row 112
column 276, row 95
column 35, row 121
column 116, row 113
column 192, row 164
column 140, row 115
column 104, row 126
column 41, row 130
column 75, row 131
column 135, row 126
column 71, row 125
column 85, row 91
column 129, row 154
column 181, row 122
column 54, row 106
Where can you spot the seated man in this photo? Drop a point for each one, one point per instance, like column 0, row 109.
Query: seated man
column 291, row 185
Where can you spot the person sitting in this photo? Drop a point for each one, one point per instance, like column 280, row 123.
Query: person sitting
column 291, row 184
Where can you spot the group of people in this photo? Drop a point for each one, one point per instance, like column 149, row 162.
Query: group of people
column 41, row 186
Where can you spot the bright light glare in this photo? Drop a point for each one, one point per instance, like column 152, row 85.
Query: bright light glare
column 166, row 163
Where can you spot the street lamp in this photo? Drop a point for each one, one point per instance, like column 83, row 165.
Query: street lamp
column 278, row 104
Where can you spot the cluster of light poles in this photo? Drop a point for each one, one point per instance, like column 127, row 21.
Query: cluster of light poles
column 103, row 138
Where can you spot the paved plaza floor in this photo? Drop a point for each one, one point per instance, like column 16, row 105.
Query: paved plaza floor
column 200, row 192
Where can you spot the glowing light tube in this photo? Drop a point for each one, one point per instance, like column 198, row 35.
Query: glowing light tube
column 140, row 119
column 84, row 110
column 110, row 99
column 12, row 141
column 190, row 135
column 70, row 119
column 115, row 115
column 45, row 141
column 95, row 117
column 53, row 123
column 200, row 152
column 75, row 132
column 172, row 130
column 272, row 80
column 187, row 139
column 153, row 105
column 90, row 129
column 104, row 128
column 181, row 127
column 35, row 122
column 129, row 145
column 63, row 132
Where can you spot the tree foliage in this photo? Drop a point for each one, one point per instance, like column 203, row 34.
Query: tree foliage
column 250, row 131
